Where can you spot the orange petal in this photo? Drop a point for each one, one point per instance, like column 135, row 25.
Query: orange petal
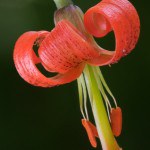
column 25, row 63
column 119, row 16
column 64, row 48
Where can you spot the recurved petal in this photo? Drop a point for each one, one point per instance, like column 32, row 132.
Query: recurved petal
column 119, row 16
column 25, row 61
column 65, row 48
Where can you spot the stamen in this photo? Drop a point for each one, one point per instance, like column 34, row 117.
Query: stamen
column 105, row 84
column 100, row 86
column 91, row 132
column 108, row 113
column 85, row 95
column 116, row 121
column 87, row 83
column 80, row 90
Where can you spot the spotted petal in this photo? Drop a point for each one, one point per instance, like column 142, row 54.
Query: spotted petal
column 25, row 62
column 119, row 16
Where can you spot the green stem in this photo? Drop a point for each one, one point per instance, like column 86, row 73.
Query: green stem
column 62, row 3
column 103, row 126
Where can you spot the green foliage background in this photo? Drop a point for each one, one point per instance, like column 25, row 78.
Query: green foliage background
column 33, row 118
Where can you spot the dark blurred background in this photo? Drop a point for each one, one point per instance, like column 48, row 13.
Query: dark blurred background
column 33, row 118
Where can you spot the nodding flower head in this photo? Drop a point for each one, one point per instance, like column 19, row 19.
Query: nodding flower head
column 71, row 51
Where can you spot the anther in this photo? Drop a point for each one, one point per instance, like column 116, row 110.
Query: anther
column 91, row 132
column 116, row 121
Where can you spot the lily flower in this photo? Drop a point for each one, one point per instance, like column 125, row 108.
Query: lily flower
column 71, row 51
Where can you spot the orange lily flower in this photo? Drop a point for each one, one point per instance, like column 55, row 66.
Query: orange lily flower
column 70, row 51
